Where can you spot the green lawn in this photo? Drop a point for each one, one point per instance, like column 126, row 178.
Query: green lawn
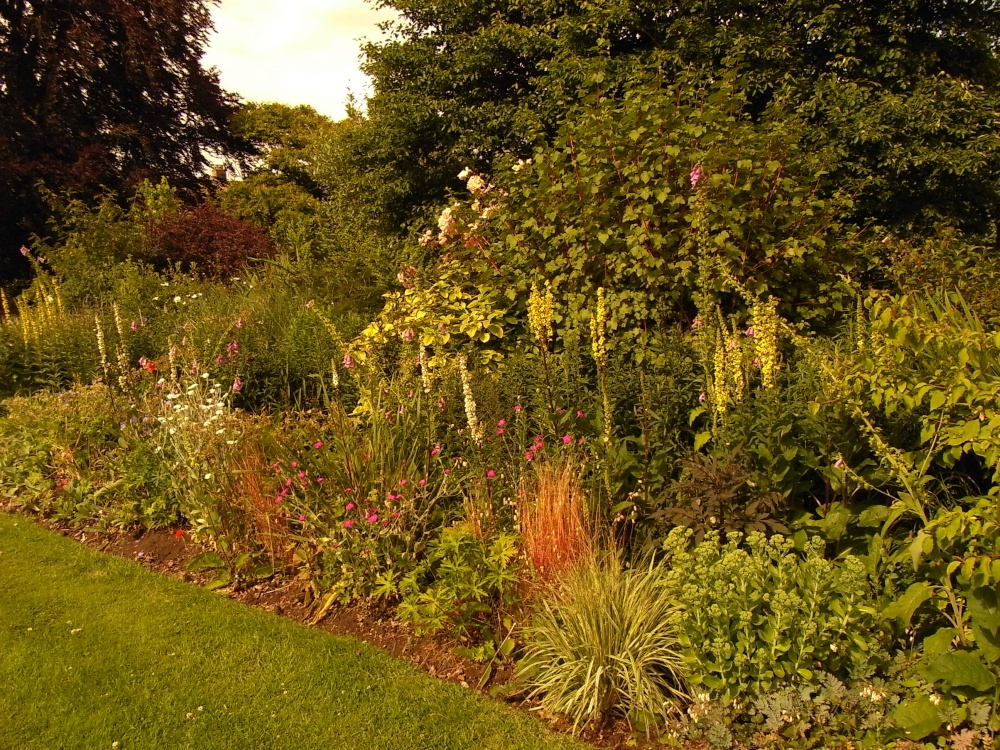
column 96, row 650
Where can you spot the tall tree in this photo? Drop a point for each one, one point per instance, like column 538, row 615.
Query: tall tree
column 98, row 94
column 905, row 90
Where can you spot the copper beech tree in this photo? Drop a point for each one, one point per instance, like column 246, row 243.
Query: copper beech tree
column 96, row 95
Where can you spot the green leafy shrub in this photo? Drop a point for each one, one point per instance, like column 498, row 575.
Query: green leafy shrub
column 463, row 585
column 606, row 640
column 755, row 614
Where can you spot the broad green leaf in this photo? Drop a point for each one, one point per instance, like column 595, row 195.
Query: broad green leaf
column 960, row 669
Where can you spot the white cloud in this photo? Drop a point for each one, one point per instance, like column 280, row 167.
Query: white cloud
column 293, row 51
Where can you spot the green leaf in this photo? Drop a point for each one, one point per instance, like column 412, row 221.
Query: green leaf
column 700, row 439
column 939, row 642
column 205, row 561
column 918, row 718
column 903, row 608
column 960, row 669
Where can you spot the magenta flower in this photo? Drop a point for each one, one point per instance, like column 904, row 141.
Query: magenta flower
column 134, row 326
column 436, row 449
column 395, row 514
column 295, row 464
column 402, row 482
column 24, row 251
column 491, row 473
column 288, row 482
column 349, row 362
column 278, row 500
column 517, row 407
column 422, row 482
column 348, row 523
column 500, row 430
column 580, row 414
column 529, row 455
column 567, row 439
column 302, row 475
column 302, row 518
column 372, row 518
column 220, row 360
column 320, row 480
column 348, row 490
column 318, row 444
column 232, row 348
column 696, row 175
column 502, row 423
column 750, row 332
column 447, row 471
column 349, row 507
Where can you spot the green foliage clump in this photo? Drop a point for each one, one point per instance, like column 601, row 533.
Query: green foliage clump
column 754, row 614
column 606, row 641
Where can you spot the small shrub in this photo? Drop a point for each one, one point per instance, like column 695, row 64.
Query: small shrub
column 216, row 243
column 605, row 641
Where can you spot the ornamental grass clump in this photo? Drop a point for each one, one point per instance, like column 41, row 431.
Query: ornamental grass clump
column 605, row 642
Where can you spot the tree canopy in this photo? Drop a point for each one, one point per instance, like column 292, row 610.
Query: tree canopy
column 99, row 94
column 904, row 91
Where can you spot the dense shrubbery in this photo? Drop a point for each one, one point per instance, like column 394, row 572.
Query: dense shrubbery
column 648, row 410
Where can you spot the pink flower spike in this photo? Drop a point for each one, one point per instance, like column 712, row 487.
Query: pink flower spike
column 349, row 507
column 318, row 444
column 567, row 439
column 491, row 473
column 348, row 523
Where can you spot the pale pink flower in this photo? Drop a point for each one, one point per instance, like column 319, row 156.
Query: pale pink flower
column 348, row 523
column 349, row 507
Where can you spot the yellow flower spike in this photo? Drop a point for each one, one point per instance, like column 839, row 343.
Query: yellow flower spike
column 540, row 312
column 720, row 396
column 598, row 325
column 7, row 320
column 734, row 369
column 861, row 326
column 764, row 317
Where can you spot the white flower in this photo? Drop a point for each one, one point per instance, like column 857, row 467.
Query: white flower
column 208, row 476
column 464, row 174
column 177, row 299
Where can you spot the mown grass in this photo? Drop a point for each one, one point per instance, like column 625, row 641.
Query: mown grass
column 96, row 650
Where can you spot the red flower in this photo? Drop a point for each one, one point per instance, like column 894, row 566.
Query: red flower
column 150, row 365
column 179, row 533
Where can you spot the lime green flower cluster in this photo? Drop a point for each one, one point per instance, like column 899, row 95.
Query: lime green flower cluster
column 598, row 323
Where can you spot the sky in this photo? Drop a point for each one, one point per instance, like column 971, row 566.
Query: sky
column 293, row 51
